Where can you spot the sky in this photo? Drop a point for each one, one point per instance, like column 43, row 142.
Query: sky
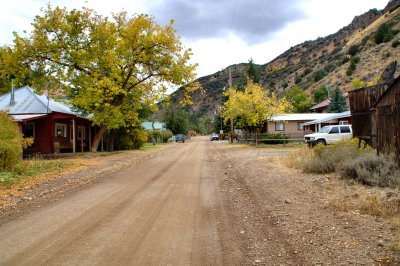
column 219, row 32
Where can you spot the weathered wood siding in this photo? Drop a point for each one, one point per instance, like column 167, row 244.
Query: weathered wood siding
column 361, row 102
column 387, row 117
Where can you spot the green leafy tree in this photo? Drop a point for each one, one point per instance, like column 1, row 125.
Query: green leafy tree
column 299, row 99
column 176, row 119
column 11, row 142
column 337, row 102
column 110, row 68
column 252, row 72
column 12, row 71
column 320, row 94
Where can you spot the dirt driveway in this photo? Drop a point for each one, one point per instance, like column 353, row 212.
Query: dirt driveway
column 197, row 203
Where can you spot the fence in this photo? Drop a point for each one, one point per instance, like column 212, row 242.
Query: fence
column 266, row 138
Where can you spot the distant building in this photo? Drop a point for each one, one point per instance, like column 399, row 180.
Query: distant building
column 153, row 125
column 292, row 125
column 322, row 107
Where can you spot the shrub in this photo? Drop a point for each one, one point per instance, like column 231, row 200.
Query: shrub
column 360, row 164
column 373, row 170
column 10, row 143
column 166, row 134
column 128, row 139
column 395, row 43
column 383, row 34
column 320, row 74
column 138, row 137
column 351, row 68
column 353, row 49
column 274, row 138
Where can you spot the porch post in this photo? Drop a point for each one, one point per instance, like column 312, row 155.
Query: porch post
column 73, row 136
column 90, row 137
column 83, row 133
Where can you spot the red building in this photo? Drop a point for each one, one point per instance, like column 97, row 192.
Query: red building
column 53, row 126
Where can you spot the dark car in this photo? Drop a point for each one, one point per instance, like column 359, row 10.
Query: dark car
column 214, row 136
column 180, row 138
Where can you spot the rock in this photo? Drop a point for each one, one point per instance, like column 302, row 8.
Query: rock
column 288, row 201
column 27, row 198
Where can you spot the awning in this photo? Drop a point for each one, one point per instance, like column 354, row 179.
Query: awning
column 23, row 118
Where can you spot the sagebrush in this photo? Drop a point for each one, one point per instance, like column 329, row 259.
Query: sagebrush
column 350, row 161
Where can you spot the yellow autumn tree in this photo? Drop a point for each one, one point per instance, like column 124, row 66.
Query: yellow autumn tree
column 112, row 68
column 254, row 106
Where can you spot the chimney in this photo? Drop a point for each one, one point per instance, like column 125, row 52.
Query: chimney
column 12, row 101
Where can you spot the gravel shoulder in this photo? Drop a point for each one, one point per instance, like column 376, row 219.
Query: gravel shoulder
column 283, row 216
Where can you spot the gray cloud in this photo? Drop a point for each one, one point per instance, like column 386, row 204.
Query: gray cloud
column 251, row 20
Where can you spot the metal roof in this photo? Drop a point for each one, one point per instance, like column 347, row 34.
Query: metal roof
column 300, row 117
column 149, row 126
column 331, row 116
column 28, row 102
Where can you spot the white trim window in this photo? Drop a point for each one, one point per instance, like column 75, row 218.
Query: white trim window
column 61, row 130
column 279, row 127
column 343, row 123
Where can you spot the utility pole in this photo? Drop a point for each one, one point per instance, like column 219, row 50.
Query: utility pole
column 230, row 86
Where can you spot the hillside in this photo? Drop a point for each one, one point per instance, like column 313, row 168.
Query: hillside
column 316, row 63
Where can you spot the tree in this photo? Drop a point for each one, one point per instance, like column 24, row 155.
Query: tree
column 176, row 120
column 12, row 72
column 110, row 68
column 252, row 72
column 254, row 106
column 299, row 99
column 337, row 102
column 320, row 94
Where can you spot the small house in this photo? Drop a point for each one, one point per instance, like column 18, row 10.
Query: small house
column 292, row 125
column 53, row 126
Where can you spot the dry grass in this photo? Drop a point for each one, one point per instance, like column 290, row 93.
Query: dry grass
column 384, row 203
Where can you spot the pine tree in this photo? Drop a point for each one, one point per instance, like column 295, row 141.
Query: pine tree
column 337, row 102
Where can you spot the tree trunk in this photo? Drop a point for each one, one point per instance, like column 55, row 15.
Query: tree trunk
column 97, row 138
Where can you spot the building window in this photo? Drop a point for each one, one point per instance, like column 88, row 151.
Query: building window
column 29, row 130
column 343, row 123
column 81, row 132
column 61, row 130
column 279, row 127
column 300, row 126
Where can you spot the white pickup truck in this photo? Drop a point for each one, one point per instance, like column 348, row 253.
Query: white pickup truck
column 329, row 135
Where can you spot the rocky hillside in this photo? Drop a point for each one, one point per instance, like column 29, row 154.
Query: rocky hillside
column 312, row 64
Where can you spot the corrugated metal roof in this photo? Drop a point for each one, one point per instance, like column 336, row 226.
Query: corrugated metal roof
column 300, row 117
column 28, row 102
column 331, row 116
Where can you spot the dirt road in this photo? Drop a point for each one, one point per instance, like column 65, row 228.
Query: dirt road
column 162, row 212
column 197, row 203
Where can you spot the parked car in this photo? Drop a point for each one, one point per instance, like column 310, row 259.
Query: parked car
column 329, row 134
column 180, row 138
column 214, row 136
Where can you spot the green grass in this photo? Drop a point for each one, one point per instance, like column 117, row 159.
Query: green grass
column 150, row 146
column 29, row 168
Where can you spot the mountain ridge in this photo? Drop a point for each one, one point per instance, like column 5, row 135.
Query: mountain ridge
column 312, row 64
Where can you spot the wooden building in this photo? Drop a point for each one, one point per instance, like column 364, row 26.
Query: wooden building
column 53, row 126
column 376, row 113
